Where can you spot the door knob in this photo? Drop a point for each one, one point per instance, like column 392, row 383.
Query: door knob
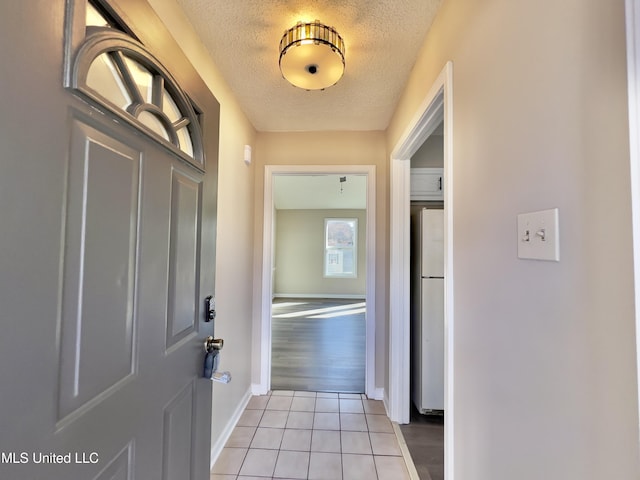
column 211, row 344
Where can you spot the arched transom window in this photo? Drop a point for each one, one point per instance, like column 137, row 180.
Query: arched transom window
column 118, row 72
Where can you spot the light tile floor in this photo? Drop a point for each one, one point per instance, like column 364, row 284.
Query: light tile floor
column 309, row 435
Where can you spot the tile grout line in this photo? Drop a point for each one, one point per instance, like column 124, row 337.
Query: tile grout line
column 251, row 441
column 398, row 436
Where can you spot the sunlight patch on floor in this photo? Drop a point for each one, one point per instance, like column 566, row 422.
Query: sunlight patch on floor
column 342, row 313
column 320, row 311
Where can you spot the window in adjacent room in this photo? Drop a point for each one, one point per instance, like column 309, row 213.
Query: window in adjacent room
column 341, row 247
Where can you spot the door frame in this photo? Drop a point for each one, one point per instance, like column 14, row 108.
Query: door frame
column 632, row 18
column 436, row 107
column 264, row 320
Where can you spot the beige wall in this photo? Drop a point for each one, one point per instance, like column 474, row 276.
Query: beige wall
column 329, row 148
column 234, row 260
column 430, row 154
column 299, row 254
column 545, row 378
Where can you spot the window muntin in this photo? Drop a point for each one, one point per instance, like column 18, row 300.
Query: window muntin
column 341, row 247
column 134, row 88
column 142, row 78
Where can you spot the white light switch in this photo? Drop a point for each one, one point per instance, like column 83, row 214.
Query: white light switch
column 538, row 235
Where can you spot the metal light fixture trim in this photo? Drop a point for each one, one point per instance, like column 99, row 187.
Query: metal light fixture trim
column 312, row 56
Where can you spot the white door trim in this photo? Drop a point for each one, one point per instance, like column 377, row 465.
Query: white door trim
column 436, row 106
column 399, row 281
column 262, row 324
column 633, row 77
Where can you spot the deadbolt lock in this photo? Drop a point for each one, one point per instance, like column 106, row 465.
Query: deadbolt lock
column 209, row 309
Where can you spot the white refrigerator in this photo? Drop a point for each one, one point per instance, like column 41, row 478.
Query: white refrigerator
column 427, row 312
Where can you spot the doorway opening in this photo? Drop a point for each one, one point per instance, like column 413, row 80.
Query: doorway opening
column 282, row 288
column 319, row 283
column 425, row 430
column 436, row 108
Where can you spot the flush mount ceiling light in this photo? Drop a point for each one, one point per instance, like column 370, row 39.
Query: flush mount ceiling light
column 312, row 56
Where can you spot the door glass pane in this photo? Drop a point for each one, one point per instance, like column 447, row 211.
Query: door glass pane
column 104, row 78
column 129, row 81
column 151, row 121
column 186, row 145
column 142, row 77
column 169, row 107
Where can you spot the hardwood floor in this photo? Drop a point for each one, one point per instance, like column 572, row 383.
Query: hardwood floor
column 424, row 436
column 318, row 345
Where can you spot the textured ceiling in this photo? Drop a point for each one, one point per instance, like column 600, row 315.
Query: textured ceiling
column 382, row 39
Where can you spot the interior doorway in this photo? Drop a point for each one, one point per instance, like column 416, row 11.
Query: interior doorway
column 272, row 174
column 424, row 435
column 436, row 107
column 319, row 283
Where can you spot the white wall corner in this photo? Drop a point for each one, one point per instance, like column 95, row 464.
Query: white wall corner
column 378, row 394
column 385, row 400
column 259, row 389
column 399, row 294
column 633, row 73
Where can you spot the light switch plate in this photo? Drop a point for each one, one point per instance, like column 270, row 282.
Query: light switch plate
column 538, row 235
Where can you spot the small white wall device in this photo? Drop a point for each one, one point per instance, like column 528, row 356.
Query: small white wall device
column 538, row 235
column 247, row 154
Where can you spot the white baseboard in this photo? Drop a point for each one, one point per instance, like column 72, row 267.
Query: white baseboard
column 319, row 295
column 258, row 389
column 385, row 400
column 378, row 394
column 216, row 448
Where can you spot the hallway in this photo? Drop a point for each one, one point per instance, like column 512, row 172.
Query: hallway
column 309, row 435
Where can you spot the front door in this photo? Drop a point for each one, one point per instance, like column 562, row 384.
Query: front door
column 107, row 254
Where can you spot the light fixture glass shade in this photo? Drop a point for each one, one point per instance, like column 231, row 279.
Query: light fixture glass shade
column 312, row 56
